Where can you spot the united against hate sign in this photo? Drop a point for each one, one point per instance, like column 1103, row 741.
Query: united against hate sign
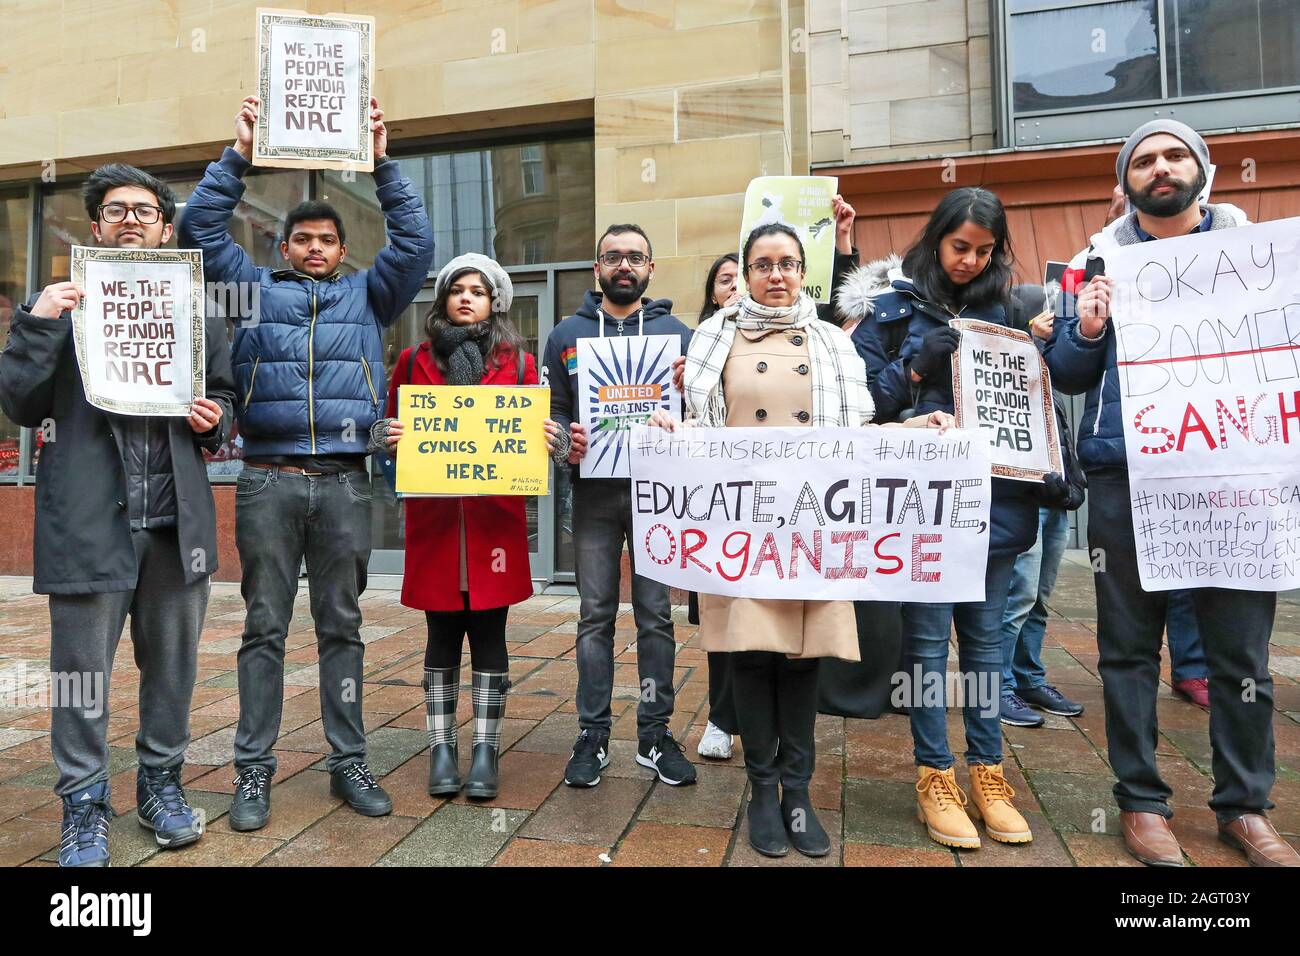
column 314, row 78
column 138, row 331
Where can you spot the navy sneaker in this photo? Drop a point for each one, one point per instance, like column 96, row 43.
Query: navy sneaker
column 1014, row 711
column 590, row 756
column 162, row 808
column 85, row 827
column 1051, row 700
column 666, row 757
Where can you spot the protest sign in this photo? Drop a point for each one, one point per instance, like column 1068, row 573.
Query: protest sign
column 1207, row 343
column 870, row 514
column 1001, row 386
column 621, row 382
column 473, row 440
column 804, row 204
column 314, row 78
column 138, row 331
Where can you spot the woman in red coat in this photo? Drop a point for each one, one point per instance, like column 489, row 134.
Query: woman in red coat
column 466, row 557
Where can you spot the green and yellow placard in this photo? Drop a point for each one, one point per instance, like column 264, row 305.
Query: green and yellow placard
column 473, row 440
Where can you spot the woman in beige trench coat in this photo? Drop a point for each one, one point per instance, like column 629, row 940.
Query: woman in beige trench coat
column 767, row 361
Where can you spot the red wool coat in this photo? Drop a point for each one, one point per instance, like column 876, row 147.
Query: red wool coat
column 492, row 522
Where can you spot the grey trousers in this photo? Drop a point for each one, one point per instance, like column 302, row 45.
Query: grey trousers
column 166, row 620
column 282, row 518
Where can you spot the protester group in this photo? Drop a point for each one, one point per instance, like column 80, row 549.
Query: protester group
column 126, row 524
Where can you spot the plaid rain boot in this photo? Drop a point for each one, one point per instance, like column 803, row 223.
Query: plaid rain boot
column 490, row 689
column 441, row 692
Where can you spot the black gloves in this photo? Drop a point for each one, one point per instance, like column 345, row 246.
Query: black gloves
column 936, row 346
column 1056, row 490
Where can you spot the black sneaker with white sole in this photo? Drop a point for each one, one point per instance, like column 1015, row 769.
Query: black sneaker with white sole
column 666, row 757
column 590, row 756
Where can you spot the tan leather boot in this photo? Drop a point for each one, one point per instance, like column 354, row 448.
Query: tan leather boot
column 991, row 799
column 939, row 806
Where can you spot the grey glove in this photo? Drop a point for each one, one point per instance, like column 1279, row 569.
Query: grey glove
column 378, row 433
column 560, row 453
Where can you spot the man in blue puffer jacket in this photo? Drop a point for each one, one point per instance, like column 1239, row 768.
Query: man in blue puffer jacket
column 309, row 375
column 1162, row 168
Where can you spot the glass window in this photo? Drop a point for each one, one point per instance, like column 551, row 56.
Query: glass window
column 1085, row 56
column 479, row 200
column 1201, row 37
column 15, row 218
column 530, row 161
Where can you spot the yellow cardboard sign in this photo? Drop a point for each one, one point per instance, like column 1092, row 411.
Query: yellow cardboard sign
column 473, row 440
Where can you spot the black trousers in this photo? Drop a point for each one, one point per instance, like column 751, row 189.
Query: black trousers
column 1235, row 627
column 487, row 638
column 722, row 698
column 776, row 709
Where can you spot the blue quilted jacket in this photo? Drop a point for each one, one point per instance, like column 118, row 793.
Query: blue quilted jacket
column 308, row 358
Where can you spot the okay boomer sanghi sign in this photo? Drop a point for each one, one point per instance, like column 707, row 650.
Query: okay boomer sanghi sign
column 1208, row 356
column 138, row 330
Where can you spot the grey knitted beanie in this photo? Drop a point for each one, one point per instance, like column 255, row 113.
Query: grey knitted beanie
column 1174, row 128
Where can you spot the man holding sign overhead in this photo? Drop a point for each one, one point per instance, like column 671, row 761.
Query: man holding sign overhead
column 125, row 523
column 309, row 365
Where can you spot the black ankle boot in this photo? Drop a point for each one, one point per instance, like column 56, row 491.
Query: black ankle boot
column 766, row 828
column 444, row 771
column 481, row 784
column 806, row 831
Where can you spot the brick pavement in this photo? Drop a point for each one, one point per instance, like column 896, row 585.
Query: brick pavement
column 863, row 786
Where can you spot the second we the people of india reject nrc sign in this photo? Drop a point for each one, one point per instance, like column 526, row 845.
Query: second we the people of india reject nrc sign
column 314, row 78
column 138, row 330
column 1002, row 387
column 818, row 514
column 473, row 440
column 1208, row 353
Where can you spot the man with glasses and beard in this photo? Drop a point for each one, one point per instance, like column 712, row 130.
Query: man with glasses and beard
column 602, row 521
column 1162, row 168
column 125, row 525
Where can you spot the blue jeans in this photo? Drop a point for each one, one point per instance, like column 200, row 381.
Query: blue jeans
column 926, row 632
column 1024, row 622
column 1186, row 652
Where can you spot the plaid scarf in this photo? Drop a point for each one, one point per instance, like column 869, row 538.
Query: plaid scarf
column 839, row 381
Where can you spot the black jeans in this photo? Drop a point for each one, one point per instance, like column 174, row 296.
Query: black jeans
column 776, row 708
column 1235, row 626
column 722, row 698
column 280, row 519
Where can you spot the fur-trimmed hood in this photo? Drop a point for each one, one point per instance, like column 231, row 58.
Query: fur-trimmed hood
column 859, row 289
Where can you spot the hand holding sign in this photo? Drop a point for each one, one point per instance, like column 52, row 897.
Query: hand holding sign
column 245, row 123
column 1094, row 306
column 204, row 415
column 379, row 130
column 57, row 298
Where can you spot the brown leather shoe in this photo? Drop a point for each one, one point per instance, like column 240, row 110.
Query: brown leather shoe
column 1148, row 837
column 1254, row 835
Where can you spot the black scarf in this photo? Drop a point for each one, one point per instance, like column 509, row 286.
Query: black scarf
column 464, row 349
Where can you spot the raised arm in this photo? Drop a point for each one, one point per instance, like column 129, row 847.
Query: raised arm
column 401, row 266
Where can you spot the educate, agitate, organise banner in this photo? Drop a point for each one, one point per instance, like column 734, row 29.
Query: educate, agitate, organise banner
column 1208, row 353
column 621, row 382
column 472, row 440
column 874, row 514
column 1005, row 390
column 314, row 78
column 804, row 204
column 138, row 331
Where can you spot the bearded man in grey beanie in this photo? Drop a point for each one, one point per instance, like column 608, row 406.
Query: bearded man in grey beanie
column 1162, row 168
